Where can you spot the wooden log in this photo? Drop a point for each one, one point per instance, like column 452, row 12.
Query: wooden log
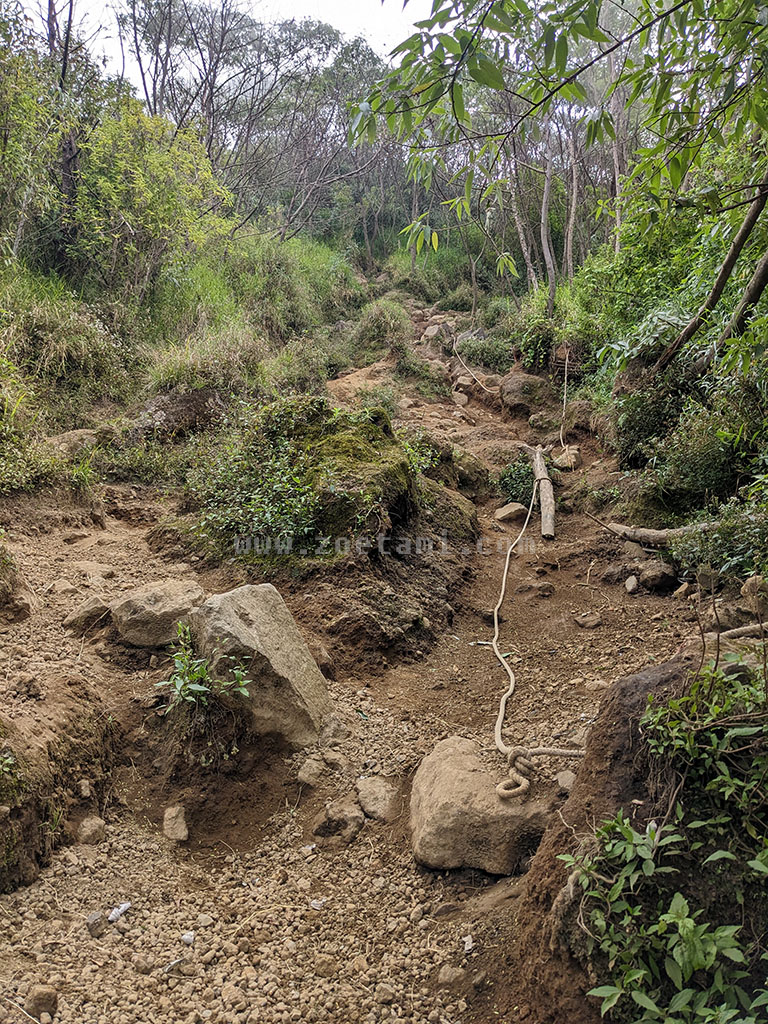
column 546, row 493
column 657, row 538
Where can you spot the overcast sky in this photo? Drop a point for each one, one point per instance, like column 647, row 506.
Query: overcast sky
column 384, row 25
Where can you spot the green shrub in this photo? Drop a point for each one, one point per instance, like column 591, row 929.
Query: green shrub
column 429, row 383
column 191, row 681
column 384, row 322
column 643, row 417
column 495, row 353
column 49, row 336
column 736, row 549
column 460, row 299
column 297, row 469
column 675, row 915
column 228, row 362
column 517, row 480
column 379, row 397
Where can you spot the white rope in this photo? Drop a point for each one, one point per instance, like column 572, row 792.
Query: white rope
column 519, row 759
column 490, row 391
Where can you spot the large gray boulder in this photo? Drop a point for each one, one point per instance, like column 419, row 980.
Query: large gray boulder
column 458, row 820
column 252, row 625
column 149, row 616
column 522, row 393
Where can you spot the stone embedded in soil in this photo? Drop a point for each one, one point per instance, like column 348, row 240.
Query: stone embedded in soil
column 451, row 977
column 588, row 620
column 632, row 585
column 149, row 616
column 175, row 824
column 511, row 512
column 41, row 999
column 568, row 460
column 521, row 392
column 287, row 694
column 458, row 820
column 379, row 797
column 92, row 831
column 312, row 771
column 96, row 923
column 565, row 780
column 87, row 613
column 340, row 822
column 658, row 576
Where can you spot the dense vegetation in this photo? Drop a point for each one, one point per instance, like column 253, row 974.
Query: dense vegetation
column 585, row 182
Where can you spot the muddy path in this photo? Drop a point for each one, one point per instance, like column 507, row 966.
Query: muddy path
column 284, row 930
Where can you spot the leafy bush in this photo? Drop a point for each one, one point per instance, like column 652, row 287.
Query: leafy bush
column 460, row 299
column 47, row 334
column 379, row 397
column 737, row 548
column 433, row 274
column 384, row 322
column 495, row 353
column 658, row 909
column 517, row 480
column 297, row 469
column 644, row 416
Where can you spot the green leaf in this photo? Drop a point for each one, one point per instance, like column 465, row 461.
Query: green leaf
column 645, row 1001
column 719, row 855
column 561, row 54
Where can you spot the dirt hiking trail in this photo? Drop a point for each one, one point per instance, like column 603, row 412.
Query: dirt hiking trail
column 252, row 920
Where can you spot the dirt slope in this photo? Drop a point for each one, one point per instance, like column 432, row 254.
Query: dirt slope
column 285, row 931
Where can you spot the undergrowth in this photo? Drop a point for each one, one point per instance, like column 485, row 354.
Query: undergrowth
column 675, row 911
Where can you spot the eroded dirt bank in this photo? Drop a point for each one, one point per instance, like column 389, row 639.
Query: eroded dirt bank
column 286, row 928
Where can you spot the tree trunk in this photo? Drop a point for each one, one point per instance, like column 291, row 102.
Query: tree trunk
column 738, row 243
column 568, row 247
column 743, row 313
column 546, row 249
column 617, row 151
column 533, row 281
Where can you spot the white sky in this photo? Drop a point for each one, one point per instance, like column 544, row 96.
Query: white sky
column 384, row 25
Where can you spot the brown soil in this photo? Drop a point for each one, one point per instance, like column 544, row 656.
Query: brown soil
column 84, row 708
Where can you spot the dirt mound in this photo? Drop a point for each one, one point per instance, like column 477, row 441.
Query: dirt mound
column 547, row 977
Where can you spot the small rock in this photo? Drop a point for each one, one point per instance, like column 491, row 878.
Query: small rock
column 513, row 511
column 175, row 824
column 683, row 591
column 565, row 780
column 340, row 822
column 384, row 994
column 588, row 620
column 204, row 920
column 96, row 923
column 84, row 789
column 41, row 999
column 149, row 616
column 451, row 977
column 658, row 576
column 568, row 460
column 633, row 550
column 325, row 966
column 460, row 399
column 379, row 797
column 311, row 771
column 87, row 614
column 92, row 830
column 187, row 938
column 631, row 585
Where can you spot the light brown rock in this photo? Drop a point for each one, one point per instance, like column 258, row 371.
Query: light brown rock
column 379, row 797
column 458, row 820
column 149, row 616
column 287, row 692
column 175, row 824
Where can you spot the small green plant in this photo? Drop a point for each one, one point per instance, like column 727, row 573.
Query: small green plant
column 675, row 913
column 191, row 681
column 516, row 481
column 379, row 397
column 9, row 766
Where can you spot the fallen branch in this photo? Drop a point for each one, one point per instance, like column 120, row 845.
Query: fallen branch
column 546, row 491
column 654, row 538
